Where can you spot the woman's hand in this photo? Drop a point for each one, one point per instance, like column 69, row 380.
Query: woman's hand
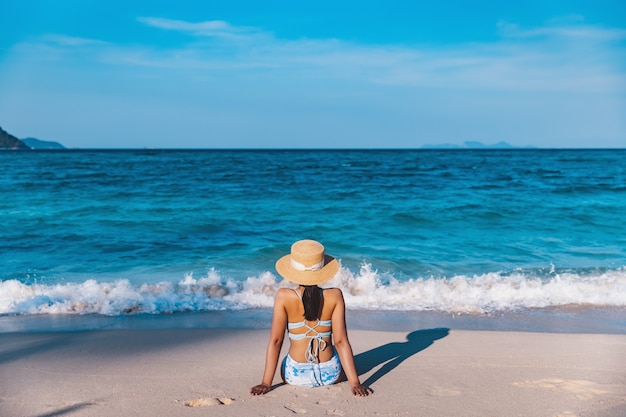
column 361, row 390
column 260, row 389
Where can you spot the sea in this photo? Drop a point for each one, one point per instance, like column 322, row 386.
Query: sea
column 516, row 239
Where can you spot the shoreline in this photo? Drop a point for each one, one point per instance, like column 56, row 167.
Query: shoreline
column 429, row 371
column 569, row 319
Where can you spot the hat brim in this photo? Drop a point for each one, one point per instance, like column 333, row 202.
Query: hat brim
column 287, row 271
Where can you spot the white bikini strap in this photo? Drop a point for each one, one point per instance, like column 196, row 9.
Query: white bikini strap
column 313, row 353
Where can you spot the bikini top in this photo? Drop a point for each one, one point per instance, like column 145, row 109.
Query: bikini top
column 313, row 350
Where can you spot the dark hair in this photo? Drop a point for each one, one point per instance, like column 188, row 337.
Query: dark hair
column 313, row 302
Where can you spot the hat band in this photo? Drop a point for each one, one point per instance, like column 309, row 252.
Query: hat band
column 301, row 267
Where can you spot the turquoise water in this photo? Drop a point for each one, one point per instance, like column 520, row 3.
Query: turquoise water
column 149, row 231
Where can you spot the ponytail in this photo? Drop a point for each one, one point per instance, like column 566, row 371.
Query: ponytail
column 313, row 301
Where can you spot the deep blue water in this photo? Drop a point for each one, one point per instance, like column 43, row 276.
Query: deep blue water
column 462, row 231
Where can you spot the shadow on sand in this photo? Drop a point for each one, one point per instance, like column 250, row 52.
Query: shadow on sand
column 67, row 410
column 393, row 354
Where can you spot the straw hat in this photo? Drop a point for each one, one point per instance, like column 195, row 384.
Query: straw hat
column 307, row 264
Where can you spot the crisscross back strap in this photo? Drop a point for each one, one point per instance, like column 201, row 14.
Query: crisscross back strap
column 313, row 349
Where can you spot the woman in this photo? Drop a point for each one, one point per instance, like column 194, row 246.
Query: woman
column 314, row 319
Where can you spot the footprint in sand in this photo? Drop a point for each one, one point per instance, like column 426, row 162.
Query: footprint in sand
column 208, row 402
column 584, row 390
column 444, row 392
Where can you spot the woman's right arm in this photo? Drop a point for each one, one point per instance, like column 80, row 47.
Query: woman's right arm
column 344, row 349
column 277, row 335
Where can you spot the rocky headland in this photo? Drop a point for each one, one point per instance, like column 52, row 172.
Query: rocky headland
column 8, row 141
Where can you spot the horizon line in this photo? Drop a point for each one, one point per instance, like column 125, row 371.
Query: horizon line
column 530, row 148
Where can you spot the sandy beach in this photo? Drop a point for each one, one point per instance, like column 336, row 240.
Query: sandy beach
column 208, row 372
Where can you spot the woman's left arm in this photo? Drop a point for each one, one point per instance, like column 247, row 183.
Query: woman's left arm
column 344, row 349
column 277, row 335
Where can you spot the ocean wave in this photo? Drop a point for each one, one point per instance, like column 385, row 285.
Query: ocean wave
column 367, row 289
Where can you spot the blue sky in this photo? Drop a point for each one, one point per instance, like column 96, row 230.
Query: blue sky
column 323, row 74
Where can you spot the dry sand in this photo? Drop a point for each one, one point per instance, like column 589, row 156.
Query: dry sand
column 208, row 372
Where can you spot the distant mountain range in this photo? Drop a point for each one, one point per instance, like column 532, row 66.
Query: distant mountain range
column 475, row 145
column 8, row 141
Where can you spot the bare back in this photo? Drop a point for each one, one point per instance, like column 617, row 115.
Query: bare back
column 294, row 310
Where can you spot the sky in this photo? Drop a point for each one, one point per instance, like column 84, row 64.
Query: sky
column 322, row 74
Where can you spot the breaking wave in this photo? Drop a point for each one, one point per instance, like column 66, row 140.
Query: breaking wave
column 366, row 289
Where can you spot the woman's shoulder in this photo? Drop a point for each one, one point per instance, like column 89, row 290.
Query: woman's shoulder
column 285, row 292
column 333, row 292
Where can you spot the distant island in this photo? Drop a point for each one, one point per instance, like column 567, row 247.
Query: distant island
column 10, row 142
column 42, row 144
column 475, row 145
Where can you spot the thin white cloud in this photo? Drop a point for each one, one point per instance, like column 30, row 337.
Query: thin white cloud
column 550, row 58
column 566, row 57
column 71, row 41
column 563, row 32
column 210, row 28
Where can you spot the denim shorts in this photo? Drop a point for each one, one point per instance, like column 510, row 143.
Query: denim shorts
column 311, row 374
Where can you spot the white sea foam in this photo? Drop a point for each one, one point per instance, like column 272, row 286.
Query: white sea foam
column 483, row 293
column 366, row 289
